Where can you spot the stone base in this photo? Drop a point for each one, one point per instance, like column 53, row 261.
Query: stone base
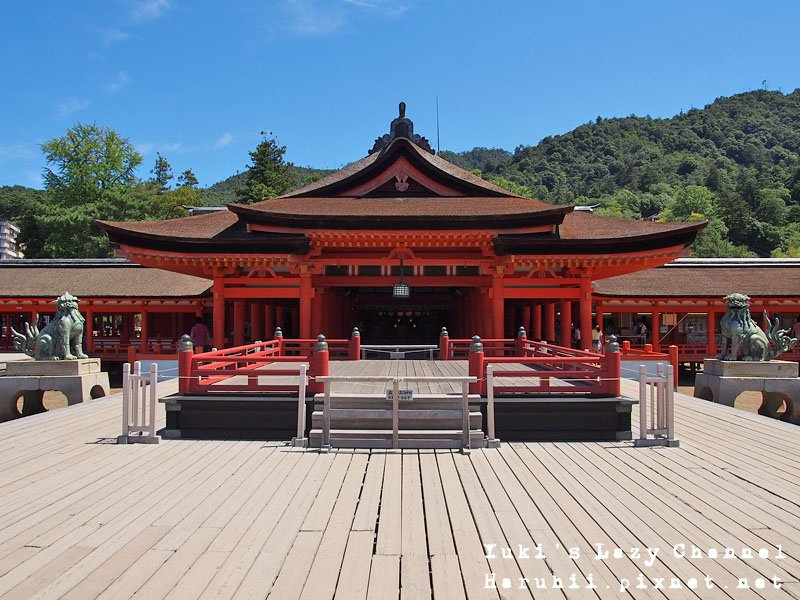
column 78, row 380
column 723, row 381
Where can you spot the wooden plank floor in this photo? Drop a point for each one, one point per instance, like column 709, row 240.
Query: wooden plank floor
column 85, row 518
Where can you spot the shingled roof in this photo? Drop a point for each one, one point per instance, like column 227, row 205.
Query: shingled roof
column 715, row 278
column 94, row 278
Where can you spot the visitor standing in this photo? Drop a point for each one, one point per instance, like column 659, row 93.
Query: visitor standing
column 200, row 335
column 597, row 339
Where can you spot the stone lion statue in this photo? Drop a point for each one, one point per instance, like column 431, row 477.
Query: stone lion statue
column 746, row 337
column 60, row 339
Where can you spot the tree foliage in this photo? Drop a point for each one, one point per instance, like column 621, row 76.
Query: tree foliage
column 268, row 176
column 743, row 149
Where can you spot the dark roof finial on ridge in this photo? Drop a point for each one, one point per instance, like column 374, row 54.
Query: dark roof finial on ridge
column 401, row 127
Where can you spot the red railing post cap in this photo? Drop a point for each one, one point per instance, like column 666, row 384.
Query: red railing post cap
column 321, row 344
column 443, row 332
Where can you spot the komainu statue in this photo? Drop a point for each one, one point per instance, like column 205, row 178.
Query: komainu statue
column 746, row 337
column 60, row 339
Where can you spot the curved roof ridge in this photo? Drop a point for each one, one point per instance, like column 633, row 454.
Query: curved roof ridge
column 435, row 162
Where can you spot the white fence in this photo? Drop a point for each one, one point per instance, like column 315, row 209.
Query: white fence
column 464, row 443
column 656, row 408
column 300, row 440
column 139, row 405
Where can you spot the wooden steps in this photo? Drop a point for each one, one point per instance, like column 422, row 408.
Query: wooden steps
column 426, row 421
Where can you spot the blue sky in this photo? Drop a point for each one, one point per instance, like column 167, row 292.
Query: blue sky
column 197, row 80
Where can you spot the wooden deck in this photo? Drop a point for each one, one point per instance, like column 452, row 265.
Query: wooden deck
column 84, row 518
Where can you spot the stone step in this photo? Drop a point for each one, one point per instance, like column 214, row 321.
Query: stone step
column 379, row 438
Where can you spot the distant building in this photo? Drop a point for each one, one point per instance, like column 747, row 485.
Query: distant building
column 8, row 241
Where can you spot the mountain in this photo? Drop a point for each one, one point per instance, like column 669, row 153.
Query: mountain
column 742, row 153
column 224, row 191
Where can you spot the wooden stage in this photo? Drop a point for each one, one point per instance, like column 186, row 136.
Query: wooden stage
column 85, row 518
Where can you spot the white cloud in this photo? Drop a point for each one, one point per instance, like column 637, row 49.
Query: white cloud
column 147, row 10
column 171, row 147
column 386, row 7
column 70, row 106
column 119, row 82
column 145, row 148
column 111, row 35
column 225, row 139
column 309, row 19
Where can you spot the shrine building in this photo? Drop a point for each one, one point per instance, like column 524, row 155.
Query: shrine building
column 401, row 243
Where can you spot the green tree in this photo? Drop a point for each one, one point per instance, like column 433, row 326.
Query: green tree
column 162, row 173
column 269, row 175
column 187, row 179
column 90, row 175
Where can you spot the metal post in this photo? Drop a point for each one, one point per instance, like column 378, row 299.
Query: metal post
column 395, row 414
column 465, row 441
column 326, row 419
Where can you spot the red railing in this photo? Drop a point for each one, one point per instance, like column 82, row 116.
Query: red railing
column 646, row 354
column 258, row 367
column 555, row 369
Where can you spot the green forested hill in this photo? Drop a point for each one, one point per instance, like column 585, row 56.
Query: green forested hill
column 224, row 191
column 735, row 162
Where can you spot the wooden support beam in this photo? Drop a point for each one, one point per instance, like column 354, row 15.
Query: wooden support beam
column 218, row 325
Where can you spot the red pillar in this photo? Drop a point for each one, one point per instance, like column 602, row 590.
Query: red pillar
column 526, row 318
column 144, row 332
column 565, row 330
column 280, row 317
column 269, row 321
column 316, row 311
column 550, row 321
column 218, row 324
column 711, row 340
column 536, row 322
column 257, row 320
column 88, row 332
column 586, row 313
column 238, row 321
column 498, row 316
column 305, row 306
column 655, row 329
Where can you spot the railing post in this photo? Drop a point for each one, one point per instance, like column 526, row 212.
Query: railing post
column 326, row 419
column 444, row 344
column 354, row 349
column 153, row 397
column 670, row 402
column 278, row 335
column 126, row 401
column 673, row 360
column 613, row 372
column 476, row 365
column 131, row 354
column 465, row 438
column 492, row 441
column 626, row 346
column 395, row 413
column 185, row 353
column 648, row 348
column 319, row 363
column 301, row 440
column 519, row 343
column 643, row 404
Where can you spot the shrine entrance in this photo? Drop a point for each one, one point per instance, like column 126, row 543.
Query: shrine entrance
column 418, row 319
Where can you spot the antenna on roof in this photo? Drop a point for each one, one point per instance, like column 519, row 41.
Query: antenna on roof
column 438, row 149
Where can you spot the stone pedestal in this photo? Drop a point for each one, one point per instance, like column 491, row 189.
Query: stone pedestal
column 777, row 380
column 78, row 380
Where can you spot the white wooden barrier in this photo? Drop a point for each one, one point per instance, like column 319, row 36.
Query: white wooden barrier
column 139, row 405
column 492, row 441
column 396, row 382
column 656, row 408
column 300, row 440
